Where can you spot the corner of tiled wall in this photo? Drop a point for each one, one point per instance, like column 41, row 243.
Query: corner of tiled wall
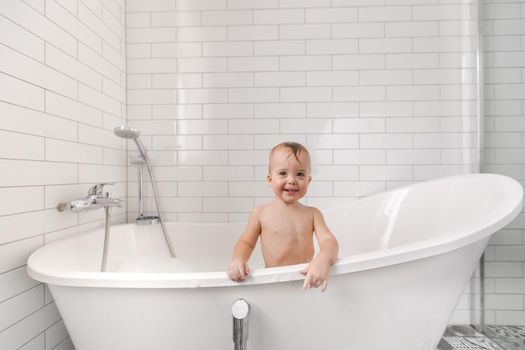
column 62, row 90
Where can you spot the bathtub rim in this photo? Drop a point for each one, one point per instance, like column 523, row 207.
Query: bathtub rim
column 390, row 256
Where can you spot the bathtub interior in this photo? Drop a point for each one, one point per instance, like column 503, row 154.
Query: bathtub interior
column 402, row 217
column 142, row 248
column 425, row 212
column 198, row 248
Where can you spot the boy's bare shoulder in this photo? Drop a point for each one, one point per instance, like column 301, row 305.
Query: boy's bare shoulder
column 258, row 210
column 314, row 211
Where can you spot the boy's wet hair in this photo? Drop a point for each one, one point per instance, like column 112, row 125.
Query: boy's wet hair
column 295, row 147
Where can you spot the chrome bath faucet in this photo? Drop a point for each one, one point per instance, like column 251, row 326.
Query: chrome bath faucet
column 96, row 199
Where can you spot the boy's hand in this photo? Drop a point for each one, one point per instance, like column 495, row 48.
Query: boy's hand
column 316, row 273
column 238, row 270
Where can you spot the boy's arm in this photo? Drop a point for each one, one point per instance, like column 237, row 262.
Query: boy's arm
column 238, row 269
column 328, row 245
column 317, row 271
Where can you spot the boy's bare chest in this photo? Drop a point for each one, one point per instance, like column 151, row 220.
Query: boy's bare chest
column 278, row 226
column 286, row 238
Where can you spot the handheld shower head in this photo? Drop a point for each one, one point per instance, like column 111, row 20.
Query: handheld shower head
column 132, row 134
column 126, row 132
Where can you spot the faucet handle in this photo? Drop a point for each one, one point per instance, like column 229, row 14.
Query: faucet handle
column 98, row 189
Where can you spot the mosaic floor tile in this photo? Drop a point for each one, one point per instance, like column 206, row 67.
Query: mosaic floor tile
column 462, row 331
column 511, row 343
column 472, row 343
column 496, row 338
column 505, row 331
column 444, row 345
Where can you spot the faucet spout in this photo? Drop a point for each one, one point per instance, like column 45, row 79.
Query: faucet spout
column 108, row 202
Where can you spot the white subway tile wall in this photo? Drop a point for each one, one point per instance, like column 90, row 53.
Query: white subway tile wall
column 62, row 90
column 504, row 42
column 378, row 91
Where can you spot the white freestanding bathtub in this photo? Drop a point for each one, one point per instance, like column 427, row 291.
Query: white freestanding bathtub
column 405, row 258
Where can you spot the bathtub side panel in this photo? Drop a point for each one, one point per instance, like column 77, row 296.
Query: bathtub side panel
column 405, row 306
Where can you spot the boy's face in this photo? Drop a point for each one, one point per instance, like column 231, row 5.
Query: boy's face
column 289, row 178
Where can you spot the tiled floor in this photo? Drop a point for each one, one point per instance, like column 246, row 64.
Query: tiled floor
column 496, row 338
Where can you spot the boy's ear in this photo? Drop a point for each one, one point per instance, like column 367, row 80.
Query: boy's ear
column 309, row 178
column 268, row 178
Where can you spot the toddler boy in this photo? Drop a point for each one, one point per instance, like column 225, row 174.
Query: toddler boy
column 285, row 225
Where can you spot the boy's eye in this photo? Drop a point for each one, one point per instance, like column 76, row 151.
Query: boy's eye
column 282, row 173
column 300, row 174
